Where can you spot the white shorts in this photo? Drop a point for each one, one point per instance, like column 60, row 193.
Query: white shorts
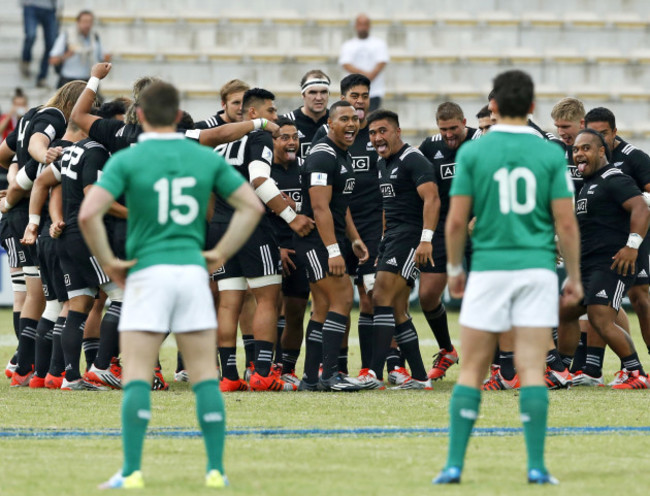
column 165, row 298
column 497, row 300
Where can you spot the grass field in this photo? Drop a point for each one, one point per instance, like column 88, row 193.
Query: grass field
column 65, row 443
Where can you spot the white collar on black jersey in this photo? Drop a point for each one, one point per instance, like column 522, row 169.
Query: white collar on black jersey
column 509, row 128
column 160, row 136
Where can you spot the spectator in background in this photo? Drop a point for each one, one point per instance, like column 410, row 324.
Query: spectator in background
column 9, row 121
column 37, row 12
column 77, row 49
column 366, row 55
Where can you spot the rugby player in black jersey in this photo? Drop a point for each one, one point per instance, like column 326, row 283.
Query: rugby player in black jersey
column 232, row 97
column 30, row 140
column 327, row 184
column 636, row 164
column 257, row 264
column 285, row 172
column 366, row 213
column 315, row 91
column 411, row 207
column 613, row 219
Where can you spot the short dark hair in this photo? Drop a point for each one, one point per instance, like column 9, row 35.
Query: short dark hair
column 484, row 112
column 109, row 110
column 601, row 114
column 449, row 110
column 255, row 96
column 608, row 152
column 339, row 103
column 352, row 80
column 381, row 114
column 187, row 121
column 514, row 93
column 285, row 121
column 159, row 103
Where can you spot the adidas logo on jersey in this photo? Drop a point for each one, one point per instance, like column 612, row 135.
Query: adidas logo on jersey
column 438, row 155
column 601, row 294
column 643, row 273
column 343, row 170
column 392, row 261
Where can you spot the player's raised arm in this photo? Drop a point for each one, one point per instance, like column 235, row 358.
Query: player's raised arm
column 81, row 112
column 231, row 132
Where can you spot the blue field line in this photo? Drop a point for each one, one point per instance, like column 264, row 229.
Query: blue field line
column 172, row 432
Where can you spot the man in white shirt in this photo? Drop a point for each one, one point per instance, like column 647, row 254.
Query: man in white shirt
column 366, row 55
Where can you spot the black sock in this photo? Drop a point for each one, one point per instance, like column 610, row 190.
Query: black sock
column 333, row 334
column 495, row 360
column 108, row 336
column 555, row 336
column 343, row 360
column 263, row 357
column 57, row 362
column 229, row 363
column 289, row 359
column 17, row 324
column 249, row 348
column 90, row 347
column 180, row 365
column 507, row 363
column 632, row 363
column 313, row 351
column 26, row 346
column 365, row 339
column 278, row 344
column 554, row 360
column 437, row 319
column 648, row 349
column 594, row 361
column 71, row 339
column 383, row 329
column 43, row 347
column 407, row 339
column 580, row 355
column 393, row 359
column 566, row 360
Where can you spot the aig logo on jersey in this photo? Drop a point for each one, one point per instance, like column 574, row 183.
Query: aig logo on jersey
column 573, row 170
column 387, row 190
column 581, row 206
column 349, row 186
column 294, row 194
column 448, row 171
column 361, row 164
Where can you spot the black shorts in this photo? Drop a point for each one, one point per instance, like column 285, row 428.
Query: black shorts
column 117, row 238
column 213, row 234
column 352, row 264
column 51, row 273
column 440, row 255
column 25, row 255
column 80, row 269
column 296, row 284
column 259, row 257
column 643, row 264
column 604, row 286
column 313, row 255
column 397, row 253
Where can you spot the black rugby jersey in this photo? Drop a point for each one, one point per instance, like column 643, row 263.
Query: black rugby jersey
column 328, row 165
column 365, row 202
column 604, row 223
column 288, row 181
column 633, row 162
column 576, row 177
column 115, row 135
column 214, row 121
column 81, row 166
column 256, row 145
column 400, row 176
column 545, row 134
column 435, row 149
column 307, row 128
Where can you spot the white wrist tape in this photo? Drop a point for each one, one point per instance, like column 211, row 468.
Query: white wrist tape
column 288, row 214
column 35, row 219
column 267, row 191
column 8, row 205
column 257, row 168
column 93, row 84
column 646, row 198
column 427, row 235
column 260, row 123
column 454, row 270
column 634, row 240
column 334, row 250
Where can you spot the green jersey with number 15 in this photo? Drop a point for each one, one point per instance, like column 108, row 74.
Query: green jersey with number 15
column 167, row 181
column 512, row 176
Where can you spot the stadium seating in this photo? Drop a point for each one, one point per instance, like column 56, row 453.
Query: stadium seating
column 595, row 51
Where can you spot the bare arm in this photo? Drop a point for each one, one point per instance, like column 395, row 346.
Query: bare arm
column 430, row 213
column 353, row 69
column 6, row 155
column 358, row 246
column 626, row 257
column 39, row 144
column 116, row 209
column 320, row 197
column 230, row 132
column 56, row 211
column 455, row 238
column 568, row 233
column 81, row 111
column 40, row 190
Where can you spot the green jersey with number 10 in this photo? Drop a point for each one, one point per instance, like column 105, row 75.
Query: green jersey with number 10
column 167, row 181
column 512, row 176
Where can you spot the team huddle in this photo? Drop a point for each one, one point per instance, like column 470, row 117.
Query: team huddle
column 346, row 202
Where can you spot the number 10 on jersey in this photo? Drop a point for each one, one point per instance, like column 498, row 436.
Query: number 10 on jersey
column 508, row 198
